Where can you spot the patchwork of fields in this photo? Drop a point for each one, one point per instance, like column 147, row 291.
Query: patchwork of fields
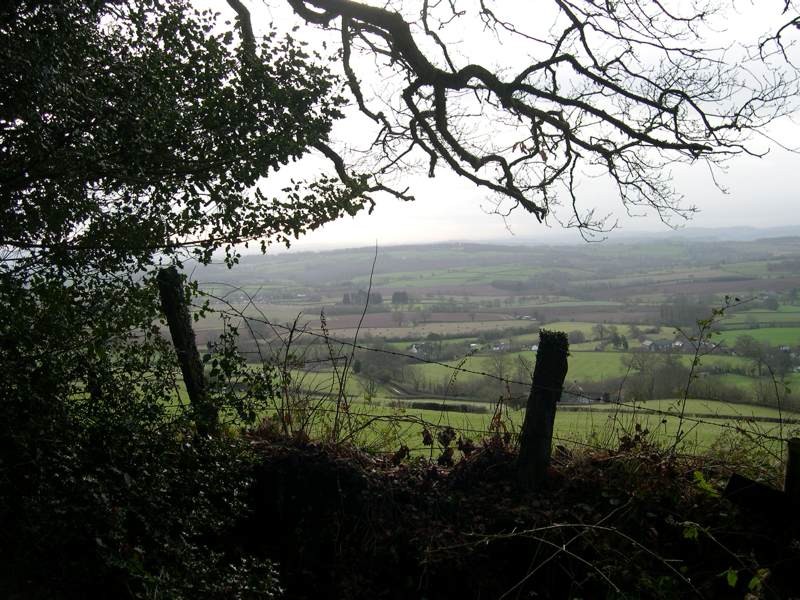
column 451, row 320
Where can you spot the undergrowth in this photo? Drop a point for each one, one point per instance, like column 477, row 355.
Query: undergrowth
column 635, row 522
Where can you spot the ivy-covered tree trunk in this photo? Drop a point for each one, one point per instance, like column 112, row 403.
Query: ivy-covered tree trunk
column 536, row 437
column 173, row 303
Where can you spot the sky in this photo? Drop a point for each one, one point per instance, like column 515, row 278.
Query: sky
column 759, row 192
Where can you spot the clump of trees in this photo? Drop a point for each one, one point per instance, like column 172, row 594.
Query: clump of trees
column 654, row 375
column 609, row 334
column 682, row 311
column 380, row 366
column 401, row 297
column 765, row 357
column 362, row 298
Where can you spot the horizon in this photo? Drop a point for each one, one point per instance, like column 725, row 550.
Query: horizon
column 557, row 237
column 745, row 190
column 759, row 196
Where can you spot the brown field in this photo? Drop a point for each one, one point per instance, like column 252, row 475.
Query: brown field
column 466, row 329
column 450, row 290
column 638, row 314
column 699, row 287
column 443, row 323
column 387, row 320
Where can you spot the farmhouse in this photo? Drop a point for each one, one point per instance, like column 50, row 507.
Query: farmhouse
column 574, row 397
column 659, row 346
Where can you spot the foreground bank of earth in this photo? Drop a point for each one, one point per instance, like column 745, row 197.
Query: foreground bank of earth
column 632, row 523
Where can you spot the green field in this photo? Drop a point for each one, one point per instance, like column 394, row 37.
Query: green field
column 601, row 425
column 461, row 276
column 595, row 366
column 583, row 365
column 718, row 360
column 326, row 383
column 421, row 330
column 579, row 303
column 379, row 425
column 742, row 320
column 742, row 382
column 774, row 336
column 569, row 288
column 701, row 407
column 565, row 326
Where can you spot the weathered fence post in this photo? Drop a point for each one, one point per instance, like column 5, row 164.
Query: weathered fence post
column 173, row 303
column 536, row 437
column 792, row 482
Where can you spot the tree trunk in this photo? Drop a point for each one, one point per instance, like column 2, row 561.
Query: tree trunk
column 173, row 303
column 536, row 437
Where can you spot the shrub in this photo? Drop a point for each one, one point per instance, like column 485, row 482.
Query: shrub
column 109, row 492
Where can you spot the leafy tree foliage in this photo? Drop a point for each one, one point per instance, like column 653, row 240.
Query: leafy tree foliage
column 654, row 375
column 132, row 134
column 400, row 297
column 132, row 129
column 576, row 337
column 766, row 358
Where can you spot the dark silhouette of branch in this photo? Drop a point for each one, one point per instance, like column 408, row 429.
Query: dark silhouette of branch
column 352, row 181
column 627, row 88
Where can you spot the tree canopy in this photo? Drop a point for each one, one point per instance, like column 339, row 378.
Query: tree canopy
column 612, row 90
column 134, row 128
column 132, row 134
column 137, row 133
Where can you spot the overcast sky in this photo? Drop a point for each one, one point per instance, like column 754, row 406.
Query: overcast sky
column 761, row 192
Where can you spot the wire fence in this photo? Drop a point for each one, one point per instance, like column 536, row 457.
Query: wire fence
column 295, row 331
column 508, row 436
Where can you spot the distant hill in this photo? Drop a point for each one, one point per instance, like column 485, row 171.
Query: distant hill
column 723, row 234
column 557, row 269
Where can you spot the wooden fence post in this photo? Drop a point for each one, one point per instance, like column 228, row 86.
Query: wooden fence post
column 536, row 437
column 173, row 303
column 792, row 482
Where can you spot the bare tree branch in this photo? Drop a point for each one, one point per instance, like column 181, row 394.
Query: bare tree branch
column 627, row 88
column 355, row 183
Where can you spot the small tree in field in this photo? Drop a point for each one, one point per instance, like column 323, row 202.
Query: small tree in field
column 576, row 337
column 398, row 317
column 400, row 298
column 600, row 331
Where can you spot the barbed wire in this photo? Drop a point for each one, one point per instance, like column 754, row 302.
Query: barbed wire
column 324, row 335
column 502, row 430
